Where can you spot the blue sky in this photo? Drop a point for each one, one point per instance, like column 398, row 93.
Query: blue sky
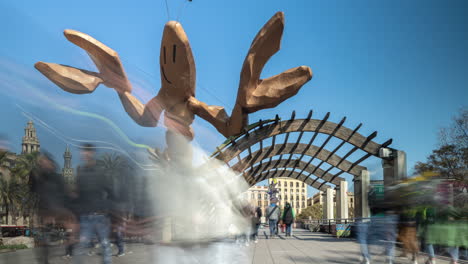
column 399, row 67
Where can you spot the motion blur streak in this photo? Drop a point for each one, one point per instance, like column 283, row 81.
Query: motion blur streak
column 68, row 140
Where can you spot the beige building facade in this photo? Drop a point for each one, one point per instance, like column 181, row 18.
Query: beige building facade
column 289, row 190
column 318, row 198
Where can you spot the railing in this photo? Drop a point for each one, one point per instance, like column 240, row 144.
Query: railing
column 329, row 225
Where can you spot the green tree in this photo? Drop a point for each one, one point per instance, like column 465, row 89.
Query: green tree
column 450, row 159
column 6, row 192
column 24, row 164
column 113, row 163
column 15, row 192
column 4, row 188
column 117, row 169
column 314, row 211
column 24, row 201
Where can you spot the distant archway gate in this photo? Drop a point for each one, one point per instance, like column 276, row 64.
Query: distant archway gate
column 276, row 160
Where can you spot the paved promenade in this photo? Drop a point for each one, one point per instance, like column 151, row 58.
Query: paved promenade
column 303, row 247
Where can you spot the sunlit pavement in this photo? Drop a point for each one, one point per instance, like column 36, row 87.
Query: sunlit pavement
column 302, row 247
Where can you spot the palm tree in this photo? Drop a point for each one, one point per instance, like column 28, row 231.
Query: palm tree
column 115, row 167
column 24, row 164
column 4, row 184
column 117, row 170
column 10, row 195
column 21, row 199
column 113, row 163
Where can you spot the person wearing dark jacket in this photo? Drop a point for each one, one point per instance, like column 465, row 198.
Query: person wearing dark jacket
column 94, row 205
column 288, row 217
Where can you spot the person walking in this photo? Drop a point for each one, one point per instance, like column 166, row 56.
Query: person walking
column 48, row 186
column 408, row 233
column 257, row 221
column 119, row 237
column 288, row 217
column 94, row 199
column 273, row 215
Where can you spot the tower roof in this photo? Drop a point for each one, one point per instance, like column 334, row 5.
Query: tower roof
column 30, row 124
column 67, row 152
column 30, row 142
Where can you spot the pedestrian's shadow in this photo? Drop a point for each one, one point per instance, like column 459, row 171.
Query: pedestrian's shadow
column 267, row 237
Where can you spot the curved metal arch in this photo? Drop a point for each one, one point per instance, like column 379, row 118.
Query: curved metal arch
column 296, row 175
column 301, row 125
column 301, row 148
column 297, row 164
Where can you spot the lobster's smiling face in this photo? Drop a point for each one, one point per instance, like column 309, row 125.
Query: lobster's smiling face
column 177, row 63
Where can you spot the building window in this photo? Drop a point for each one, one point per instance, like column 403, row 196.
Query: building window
column 259, row 203
column 303, row 205
column 266, row 196
column 279, row 196
column 297, row 185
column 259, row 196
column 285, row 197
column 253, row 196
column 297, row 197
column 303, row 184
column 297, row 205
column 291, row 184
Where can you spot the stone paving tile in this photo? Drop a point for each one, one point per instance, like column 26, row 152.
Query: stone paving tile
column 303, row 247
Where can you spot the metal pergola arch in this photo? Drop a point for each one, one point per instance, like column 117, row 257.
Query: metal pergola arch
column 263, row 157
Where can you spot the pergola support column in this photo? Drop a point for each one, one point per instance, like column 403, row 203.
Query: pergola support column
column 394, row 167
column 324, row 204
column 342, row 200
column 328, row 204
column 361, row 190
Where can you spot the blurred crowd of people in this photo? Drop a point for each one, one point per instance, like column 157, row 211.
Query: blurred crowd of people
column 93, row 209
column 276, row 218
column 423, row 214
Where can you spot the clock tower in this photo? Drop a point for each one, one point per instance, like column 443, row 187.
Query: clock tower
column 67, row 170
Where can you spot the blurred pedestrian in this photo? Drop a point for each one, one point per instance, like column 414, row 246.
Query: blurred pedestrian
column 426, row 223
column 48, row 186
column 247, row 212
column 408, row 233
column 94, row 199
column 288, row 217
column 381, row 227
column 273, row 215
column 119, row 236
column 257, row 220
